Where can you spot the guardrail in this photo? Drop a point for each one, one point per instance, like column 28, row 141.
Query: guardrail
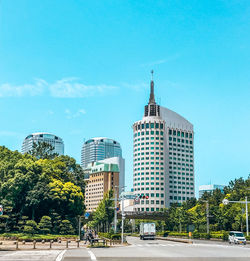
column 15, row 245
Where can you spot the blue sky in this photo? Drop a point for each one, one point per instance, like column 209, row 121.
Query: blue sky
column 81, row 69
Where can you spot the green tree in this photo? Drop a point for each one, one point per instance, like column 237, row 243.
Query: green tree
column 45, row 225
column 40, row 187
column 3, row 223
column 30, row 227
column 21, row 223
column 66, row 228
column 104, row 214
column 43, row 150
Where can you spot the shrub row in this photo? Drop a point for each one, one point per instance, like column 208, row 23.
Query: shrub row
column 110, row 235
column 37, row 237
column 218, row 235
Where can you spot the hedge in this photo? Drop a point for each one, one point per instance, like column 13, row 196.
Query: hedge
column 37, row 237
column 110, row 235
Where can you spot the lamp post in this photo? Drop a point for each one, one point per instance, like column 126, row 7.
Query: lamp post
column 123, row 215
column 115, row 214
column 207, row 214
column 226, row 202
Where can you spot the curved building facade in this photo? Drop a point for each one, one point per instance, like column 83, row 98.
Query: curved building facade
column 49, row 138
column 97, row 149
column 163, row 157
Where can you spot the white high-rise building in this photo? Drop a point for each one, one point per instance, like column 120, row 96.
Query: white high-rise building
column 163, row 157
column 49, row 138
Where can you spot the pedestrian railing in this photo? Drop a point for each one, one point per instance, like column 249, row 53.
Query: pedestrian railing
column 15, row 245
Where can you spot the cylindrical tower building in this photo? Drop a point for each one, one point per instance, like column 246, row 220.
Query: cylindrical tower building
column 149, row 158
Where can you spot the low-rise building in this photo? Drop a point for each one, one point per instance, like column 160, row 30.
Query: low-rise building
column 209, row 188
column 99, row 178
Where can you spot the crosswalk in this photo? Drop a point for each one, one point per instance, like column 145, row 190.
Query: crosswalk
column 44, row 255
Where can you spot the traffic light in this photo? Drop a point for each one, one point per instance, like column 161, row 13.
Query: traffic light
column 142, row 196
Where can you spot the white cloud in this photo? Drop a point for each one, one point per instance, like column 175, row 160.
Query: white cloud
column 71, row 115
column 9, row 90
column 71, row 88
column 64, row 88
column 136, row 86
column 162, row 61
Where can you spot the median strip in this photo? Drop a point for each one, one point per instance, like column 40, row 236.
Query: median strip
column 186, row 241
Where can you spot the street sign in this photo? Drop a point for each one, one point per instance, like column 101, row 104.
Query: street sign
column 1, row 210
column 87, row 215
column 225, row 201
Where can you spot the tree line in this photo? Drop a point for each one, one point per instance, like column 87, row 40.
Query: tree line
column 40, row 191
column 192, row 212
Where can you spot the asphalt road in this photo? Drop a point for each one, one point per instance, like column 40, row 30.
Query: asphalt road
column 140, row 250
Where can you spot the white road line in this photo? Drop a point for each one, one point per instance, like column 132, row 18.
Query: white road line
column 60, row 256
column 92, row 256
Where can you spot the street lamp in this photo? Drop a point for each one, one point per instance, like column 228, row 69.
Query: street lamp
column 123, row 215
column 207, row 214
column 226, row 202
column 115, row 216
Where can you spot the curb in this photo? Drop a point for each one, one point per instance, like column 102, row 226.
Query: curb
column 175, row 240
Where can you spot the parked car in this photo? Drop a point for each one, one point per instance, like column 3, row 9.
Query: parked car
column 147, row 231
column 236, row 237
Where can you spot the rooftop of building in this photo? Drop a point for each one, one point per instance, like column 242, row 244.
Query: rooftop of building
column 96, row 167
column 41, row 133
column 211, row 186
column 100, row 139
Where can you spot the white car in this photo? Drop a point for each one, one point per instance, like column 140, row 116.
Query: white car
column 236, row 237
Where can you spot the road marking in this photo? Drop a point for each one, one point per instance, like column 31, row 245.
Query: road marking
column 60, row 256
column 92, row 256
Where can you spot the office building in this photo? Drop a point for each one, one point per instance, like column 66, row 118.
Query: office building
column 163, row 157
column 209, row 188
column 49, row 138
column 97, row 149
column 121, row 165
column 99, row 178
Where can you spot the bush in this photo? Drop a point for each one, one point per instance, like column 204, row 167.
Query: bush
column 3, row 221
column 38, row 237
column 30, row 227
column 217, row 235
column 110, row 235
column 45, row 225
column 225, row 236
column 205, row 236
column 106, row 235
column 66, row 228
column 177, row 234
column 196, row 235
column 248, row 238
column 116, row 236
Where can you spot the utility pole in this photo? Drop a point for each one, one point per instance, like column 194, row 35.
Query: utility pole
column 207, row 214
column 207, row 208
column 115, row 215
column 247, row 218
column 123, row 215
column 79, row 231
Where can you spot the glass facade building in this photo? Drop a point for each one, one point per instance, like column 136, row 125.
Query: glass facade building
column 97, row 149
column 49, row 138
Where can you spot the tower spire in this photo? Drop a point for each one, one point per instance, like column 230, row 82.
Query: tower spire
column 152, row 95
